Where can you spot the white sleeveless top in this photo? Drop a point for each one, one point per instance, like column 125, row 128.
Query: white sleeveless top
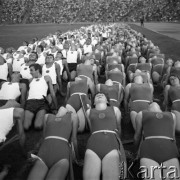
column 38, row 88
column 9, row 91
column 87, row 48
column 61, row 66
column 41, row 59
column 6, row 122
column 4, row 71
column 72, row 56
column 17, row 64
column 50, row 72
column 25, row 72
column 59, row 45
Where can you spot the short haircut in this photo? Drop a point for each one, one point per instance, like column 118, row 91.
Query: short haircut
column 41, row 47
column 26, row 42
column 36, row 67
column 34, row 52
column 50, row 55
column 107, row 97
column 59, row 52
column 61, row 38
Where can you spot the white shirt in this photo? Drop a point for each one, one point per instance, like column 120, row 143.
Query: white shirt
column 41, row 59
column 38, row 88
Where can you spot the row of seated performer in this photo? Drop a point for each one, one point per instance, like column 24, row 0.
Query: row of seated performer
column 132, row 67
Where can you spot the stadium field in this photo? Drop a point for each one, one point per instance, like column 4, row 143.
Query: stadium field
column 165, row 35
column 168, row 29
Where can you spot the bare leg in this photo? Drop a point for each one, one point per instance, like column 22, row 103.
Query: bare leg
column 38, row 124
column 28, row 119
column 18, row 116
column 149, row 169
column 73, row 75
column 133, row 118
column 91, row 86
column 38, row 171
column 110, row 166
column 58, row 171
column 172, row 170
column 92, row 166
column 82, row 120
column 65, row 76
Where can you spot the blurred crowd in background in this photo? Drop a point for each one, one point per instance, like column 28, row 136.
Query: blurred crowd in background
column 64, row 11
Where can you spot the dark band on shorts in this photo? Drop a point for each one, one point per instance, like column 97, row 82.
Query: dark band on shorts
column 72, row 66
column 35, row 105
column 3, row 102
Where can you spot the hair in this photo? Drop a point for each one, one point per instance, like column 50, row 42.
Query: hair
column 50, row 55
column 34, row 39
column 36, row 67
column 59, row 52
column 173, row 74
column 60, row 38
column 16, row 74
column 41, row 47
column 106, row 95
column 168, row 60
column 26, row 42
column 34, row 52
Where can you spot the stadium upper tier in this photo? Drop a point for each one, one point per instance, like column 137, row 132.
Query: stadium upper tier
column 58, row 11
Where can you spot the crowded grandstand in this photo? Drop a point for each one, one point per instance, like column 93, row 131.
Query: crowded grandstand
column 54, row 11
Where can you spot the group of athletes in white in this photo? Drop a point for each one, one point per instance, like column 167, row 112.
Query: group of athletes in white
column 33, row 76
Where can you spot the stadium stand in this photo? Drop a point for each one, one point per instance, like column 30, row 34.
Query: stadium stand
column 54, row 11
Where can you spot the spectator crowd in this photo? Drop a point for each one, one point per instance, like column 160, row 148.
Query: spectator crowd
column 54, row 11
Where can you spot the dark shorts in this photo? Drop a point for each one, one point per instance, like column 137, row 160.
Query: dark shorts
column 75, row 101
column 53, row 150
column 35, row 105
column 2, row 80
column 138, row 106
column 3, row 102
column 159, row 150
column 104, row 38
column 72, row 66
column 102, row 144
